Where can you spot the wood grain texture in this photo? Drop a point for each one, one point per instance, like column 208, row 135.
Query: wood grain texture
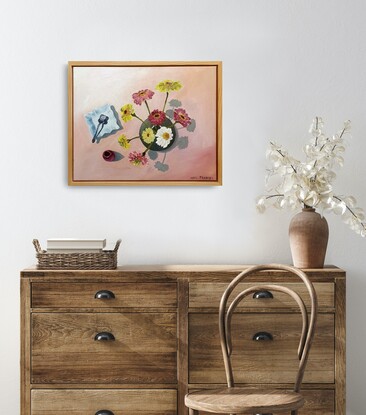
column 64, row 349
column 120, row 402
column 82, row 295
column 244, row 401
column 25, row 347
column 340, row 347
column 175, row 329
column 105, row 386
column 209, row 294
column 149, row 273
column 317, row 402
column 264, row 361
column 182, row 369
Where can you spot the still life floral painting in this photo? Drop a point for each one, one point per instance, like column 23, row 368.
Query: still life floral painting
column 145, row 123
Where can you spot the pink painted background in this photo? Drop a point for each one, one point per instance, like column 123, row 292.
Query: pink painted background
column 97, row 86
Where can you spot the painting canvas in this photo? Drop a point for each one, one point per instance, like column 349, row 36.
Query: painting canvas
column 145, row 123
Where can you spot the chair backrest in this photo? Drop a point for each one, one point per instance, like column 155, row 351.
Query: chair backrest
column 308, row 324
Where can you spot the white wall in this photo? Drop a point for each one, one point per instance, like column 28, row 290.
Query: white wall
column 283, row 63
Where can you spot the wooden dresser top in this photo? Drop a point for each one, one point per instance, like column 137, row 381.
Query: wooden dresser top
column 169, row 272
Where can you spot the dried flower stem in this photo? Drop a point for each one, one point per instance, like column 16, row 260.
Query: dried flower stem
column 280, row 152
column 350, row 211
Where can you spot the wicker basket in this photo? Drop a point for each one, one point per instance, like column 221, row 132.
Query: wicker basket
column 85, row 260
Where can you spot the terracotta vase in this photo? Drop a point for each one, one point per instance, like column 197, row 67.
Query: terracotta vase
column 308, row 239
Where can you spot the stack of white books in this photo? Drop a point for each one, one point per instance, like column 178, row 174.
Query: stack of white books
column 70, row 246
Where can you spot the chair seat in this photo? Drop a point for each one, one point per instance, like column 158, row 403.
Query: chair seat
column 244, row 401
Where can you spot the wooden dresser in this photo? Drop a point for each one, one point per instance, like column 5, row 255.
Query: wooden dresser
column 136, row 339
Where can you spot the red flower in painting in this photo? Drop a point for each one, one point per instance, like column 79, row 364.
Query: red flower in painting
column 157, row 117
column 141, row 96
column 137, row 159
column 181, row 117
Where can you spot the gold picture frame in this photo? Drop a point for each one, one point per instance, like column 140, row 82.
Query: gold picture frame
column 145, row 123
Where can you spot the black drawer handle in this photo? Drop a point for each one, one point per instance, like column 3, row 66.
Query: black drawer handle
column 104, row 336
column 262, row 294
column 104, row 295
column 262, row 336
column 104, row 412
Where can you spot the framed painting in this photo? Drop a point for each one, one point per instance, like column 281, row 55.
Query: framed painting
column 145, row 123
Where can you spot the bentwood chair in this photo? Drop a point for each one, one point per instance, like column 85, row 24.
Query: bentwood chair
column 237, row 400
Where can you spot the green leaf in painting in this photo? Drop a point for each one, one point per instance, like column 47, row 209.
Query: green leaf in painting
column 192, row 126
column 175, row 103
column 182, row 143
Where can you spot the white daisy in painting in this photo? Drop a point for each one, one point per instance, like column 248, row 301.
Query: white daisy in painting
column 164, row 136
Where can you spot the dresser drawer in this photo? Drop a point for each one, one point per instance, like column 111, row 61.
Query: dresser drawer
column 82, row 295
column 208, row 295
column 273, row 361
column 317, row 402
column 120, row 402
column 64, row 350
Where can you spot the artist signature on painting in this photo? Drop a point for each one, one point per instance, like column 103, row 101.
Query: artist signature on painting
column 202, row 178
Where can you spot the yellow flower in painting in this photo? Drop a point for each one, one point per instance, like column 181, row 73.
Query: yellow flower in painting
column 124, row 142
column 127, row 112
column 168, row 85
column 148, row 135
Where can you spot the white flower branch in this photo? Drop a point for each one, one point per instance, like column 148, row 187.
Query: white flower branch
column 309, row 183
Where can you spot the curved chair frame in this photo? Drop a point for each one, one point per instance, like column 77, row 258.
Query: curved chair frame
column 238, row 400
column 308, row 325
